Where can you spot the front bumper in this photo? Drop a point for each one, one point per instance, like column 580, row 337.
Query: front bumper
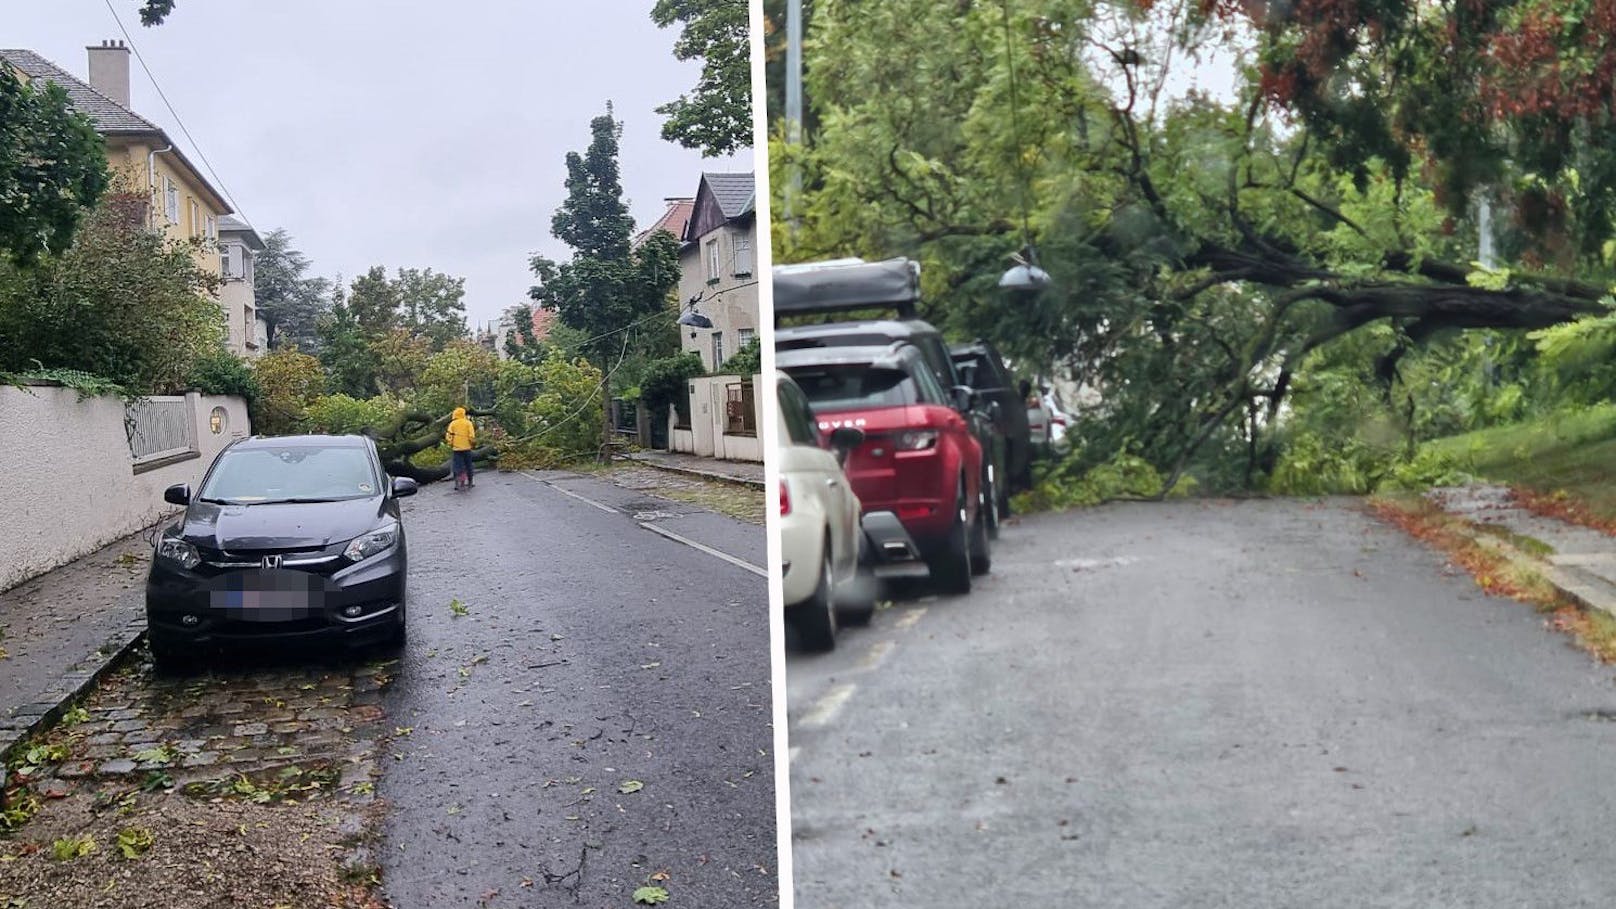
column 281, row 606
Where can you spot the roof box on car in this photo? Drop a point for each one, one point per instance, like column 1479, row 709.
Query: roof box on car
column 840, row 285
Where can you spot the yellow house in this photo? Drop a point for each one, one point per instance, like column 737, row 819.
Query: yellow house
column 170, row 193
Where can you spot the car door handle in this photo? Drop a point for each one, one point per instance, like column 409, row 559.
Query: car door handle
column 832, row 482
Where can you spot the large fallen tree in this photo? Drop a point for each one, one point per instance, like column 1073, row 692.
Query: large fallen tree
column 412, row 432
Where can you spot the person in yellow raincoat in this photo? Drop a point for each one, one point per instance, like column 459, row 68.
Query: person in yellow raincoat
column 461, row 437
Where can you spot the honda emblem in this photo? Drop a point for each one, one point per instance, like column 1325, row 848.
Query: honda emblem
column 272, row 561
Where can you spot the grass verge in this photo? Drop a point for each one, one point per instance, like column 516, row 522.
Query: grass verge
column 1497, row 573
column 1562, row 465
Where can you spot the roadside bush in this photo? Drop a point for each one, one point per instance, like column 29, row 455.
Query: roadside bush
column 1428, row 469
column 224, row 373
column 748, row 361
column 1310, row 466
column 663, row 384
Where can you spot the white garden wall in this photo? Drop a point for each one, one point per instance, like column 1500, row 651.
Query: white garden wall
column 69, row 481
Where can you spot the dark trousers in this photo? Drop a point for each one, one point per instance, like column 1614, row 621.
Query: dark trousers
column 462, row 464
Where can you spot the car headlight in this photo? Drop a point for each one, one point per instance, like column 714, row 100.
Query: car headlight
column 181, row 553
column 377, row 541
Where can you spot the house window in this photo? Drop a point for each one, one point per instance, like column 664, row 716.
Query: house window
column 743, row 256
column 712, row 261
column 212, row 228
column 196, row 218
column 718, row 349
column 171, row 200
column 744, row 338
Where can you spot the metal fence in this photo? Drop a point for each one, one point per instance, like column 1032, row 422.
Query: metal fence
column 740, row 409
column 158, row 427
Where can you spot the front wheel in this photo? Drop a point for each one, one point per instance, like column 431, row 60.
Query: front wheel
column 855, row 602
column 990, row 504
column 170, row 657
column 981, row 547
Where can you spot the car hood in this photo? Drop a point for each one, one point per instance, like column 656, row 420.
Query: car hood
column 293, row 525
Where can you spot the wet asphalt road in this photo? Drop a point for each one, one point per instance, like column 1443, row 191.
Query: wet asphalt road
column 1263, row 704
column 593, row 653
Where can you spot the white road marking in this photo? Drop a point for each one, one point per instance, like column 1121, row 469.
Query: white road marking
column 876, row 655
column 828, row 706
column 567, row 492
column 909, row 618
column 717, row 554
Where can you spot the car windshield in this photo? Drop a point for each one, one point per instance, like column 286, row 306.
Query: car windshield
column 854, row 385
column 258, row 476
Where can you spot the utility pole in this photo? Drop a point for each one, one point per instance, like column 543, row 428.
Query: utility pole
column 793, row 104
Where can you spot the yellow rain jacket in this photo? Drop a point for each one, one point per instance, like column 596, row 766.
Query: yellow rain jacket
column 461, row 435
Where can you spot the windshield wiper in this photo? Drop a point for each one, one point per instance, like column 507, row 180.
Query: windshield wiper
column 297, row 501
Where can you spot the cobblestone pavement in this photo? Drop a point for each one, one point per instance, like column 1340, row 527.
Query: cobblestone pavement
column 244, row 719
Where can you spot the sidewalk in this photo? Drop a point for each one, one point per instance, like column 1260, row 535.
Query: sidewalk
column 748, row 472
column 62, row 629
column 1578, row 561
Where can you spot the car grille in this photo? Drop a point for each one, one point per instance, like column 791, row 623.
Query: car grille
column 315, row 561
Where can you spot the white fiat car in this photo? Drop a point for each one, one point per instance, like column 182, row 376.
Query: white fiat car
column 820, row 537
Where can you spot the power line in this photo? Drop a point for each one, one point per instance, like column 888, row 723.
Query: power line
column 195, row 146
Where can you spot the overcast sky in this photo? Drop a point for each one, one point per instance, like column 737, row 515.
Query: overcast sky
column 400, row 132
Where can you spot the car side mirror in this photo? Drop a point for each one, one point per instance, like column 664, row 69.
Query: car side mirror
column 1026, row 388
column 843, row 440
column 964, row 397
column 404, row 486
column 178, row 494
column 994, row 411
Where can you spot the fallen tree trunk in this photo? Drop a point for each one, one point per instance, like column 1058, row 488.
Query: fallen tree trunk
column 413, row 432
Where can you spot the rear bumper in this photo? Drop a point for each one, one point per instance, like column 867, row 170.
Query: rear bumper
column 891, row 551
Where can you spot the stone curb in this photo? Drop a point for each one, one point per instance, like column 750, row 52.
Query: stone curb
column 703, row 474
column 17, row 729
column 1584, row 595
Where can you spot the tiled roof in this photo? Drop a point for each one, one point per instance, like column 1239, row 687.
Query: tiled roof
column 109, row 115
column 673, row 220
column 734, row 193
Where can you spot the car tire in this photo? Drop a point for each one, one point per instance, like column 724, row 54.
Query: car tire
column 981, row 545
column 951, row 568
column 857, row 607
column 815, row 619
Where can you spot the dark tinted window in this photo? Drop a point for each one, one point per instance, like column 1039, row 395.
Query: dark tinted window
column 849, row 386
column 798, row 416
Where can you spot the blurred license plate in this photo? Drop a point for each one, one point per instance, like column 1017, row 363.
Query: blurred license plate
column 269, row 595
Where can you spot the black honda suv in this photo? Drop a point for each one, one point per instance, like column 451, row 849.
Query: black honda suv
column 293, row 540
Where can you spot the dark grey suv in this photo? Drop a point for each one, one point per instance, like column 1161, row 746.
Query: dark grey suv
column 294, row 540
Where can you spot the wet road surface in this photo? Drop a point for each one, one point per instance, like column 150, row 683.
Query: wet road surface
column 598, row 717
column 1209, row 705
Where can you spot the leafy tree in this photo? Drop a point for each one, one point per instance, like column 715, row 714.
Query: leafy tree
column 609, row 288
column 290, row 301
column 154, row 12
column 432, row 305
column 288, row 381
column 345, row 352
column 52, row 168
column 1205, row 254
column 122, row 303
column 374, row 302
column 398, row 357
column 717, row 116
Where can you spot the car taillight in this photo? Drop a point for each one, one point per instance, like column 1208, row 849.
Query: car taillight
column 915, row 440
column 785, row 499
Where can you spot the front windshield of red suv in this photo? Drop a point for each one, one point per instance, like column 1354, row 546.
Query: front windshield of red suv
column 855, row 386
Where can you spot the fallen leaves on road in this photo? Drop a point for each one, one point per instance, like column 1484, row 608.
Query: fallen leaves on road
column 650, row 896
column 629, row 786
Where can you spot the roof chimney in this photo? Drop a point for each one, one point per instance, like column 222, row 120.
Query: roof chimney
column 109, row 70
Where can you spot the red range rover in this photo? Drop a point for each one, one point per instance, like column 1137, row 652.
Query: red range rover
column 918, row 471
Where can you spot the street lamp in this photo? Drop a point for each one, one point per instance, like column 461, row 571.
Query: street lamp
column 1025, row 276
column 693, row 318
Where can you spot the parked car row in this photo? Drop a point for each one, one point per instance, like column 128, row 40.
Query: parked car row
column 889, row 437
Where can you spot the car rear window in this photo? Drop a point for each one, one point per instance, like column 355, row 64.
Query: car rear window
column 265, row 475
column 848, row 386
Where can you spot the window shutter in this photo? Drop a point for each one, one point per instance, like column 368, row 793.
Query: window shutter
column 743, row 256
